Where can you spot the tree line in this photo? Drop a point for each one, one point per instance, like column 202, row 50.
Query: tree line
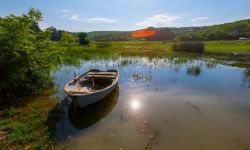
column 67, row 38
column 227, row 31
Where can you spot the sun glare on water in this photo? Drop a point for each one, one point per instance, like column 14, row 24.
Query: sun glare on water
column 135, row 104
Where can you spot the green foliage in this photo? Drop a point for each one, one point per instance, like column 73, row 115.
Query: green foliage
column 83, row 38
column 227, row 31
column 24, row 55
column 68, row 38
column 55, row 34
column 105, row 36
column 162, row 34
column 188, row 46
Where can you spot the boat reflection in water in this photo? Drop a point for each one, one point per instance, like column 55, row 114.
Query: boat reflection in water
column 84, row 117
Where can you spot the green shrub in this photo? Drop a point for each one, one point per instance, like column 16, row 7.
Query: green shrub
column 25, row 56
column 189, row 46
column 103, row 44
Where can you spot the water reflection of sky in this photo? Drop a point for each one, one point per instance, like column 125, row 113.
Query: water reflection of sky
column 161, row 74
column 159, row 89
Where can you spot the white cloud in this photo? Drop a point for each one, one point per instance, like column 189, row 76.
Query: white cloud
column 101, row 20
column 75, row 17
column 71, row 16
column 199, row 19
column 246, row 18
column 65, row 13
column 159, row 20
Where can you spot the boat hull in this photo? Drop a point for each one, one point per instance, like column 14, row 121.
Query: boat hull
column 85, row 100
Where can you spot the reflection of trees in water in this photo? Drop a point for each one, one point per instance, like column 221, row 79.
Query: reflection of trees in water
column 246, row 77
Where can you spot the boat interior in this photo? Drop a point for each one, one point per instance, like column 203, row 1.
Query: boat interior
column 91, row 82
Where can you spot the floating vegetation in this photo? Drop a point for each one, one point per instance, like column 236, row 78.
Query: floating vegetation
column 151, row 139
column 141, row 76
column 246, row 77
column 194, row 70
column 195, row 107
column 144, row 127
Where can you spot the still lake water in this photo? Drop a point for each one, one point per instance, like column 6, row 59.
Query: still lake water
column 160, row 103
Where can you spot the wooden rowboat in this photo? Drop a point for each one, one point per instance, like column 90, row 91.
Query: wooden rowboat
column 92, row 86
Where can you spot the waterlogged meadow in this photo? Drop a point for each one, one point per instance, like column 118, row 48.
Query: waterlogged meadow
column 163, row 100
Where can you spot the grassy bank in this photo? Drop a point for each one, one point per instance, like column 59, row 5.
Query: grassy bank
column 29, row 124
column 227, row 46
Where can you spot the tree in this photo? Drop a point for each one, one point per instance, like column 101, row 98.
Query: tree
column 162, row 34
column 24, row 54
column 83, row 38
column 68, row 38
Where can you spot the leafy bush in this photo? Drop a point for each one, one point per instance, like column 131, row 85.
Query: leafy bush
column 188, row 46
column 103, row 44
column 24, row 55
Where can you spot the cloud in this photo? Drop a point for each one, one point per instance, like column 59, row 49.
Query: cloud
column 199, row 19
column 71, row 16
column 101, row 20
column 75, row 17
column 159, row 20
column 246, row 18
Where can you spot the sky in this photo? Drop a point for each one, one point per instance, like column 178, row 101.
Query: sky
column 126, row 15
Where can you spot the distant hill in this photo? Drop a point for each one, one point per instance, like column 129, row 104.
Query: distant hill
column 226, row 31
column 109, row 35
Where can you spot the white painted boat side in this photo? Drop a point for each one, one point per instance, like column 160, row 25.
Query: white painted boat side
column 90, row 98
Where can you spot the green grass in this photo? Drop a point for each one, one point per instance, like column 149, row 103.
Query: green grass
column 26, row 126
column 210, row 46
column 227, row 46
column 72, row 55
